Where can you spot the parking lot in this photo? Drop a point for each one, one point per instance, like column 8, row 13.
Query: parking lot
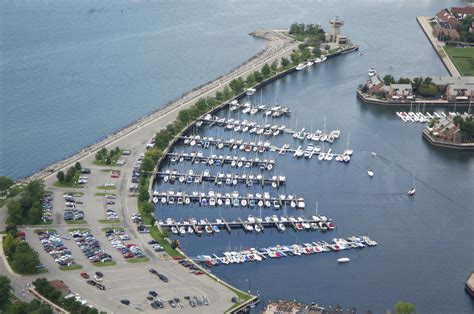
column 123, row 281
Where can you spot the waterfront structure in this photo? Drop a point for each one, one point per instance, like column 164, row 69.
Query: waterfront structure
column 446, row 132
column 335, row 36
column 397, row 91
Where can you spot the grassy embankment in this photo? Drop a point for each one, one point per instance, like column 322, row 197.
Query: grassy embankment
column 463, row 59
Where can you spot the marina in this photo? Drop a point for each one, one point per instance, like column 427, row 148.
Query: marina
column 427, row 116
column 220, row 178
column 279, row 251
column 234, row 199
column 193, row 226
column 220, row 160
column 267, row 111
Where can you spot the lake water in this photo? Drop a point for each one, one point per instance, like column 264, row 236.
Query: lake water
column 73, row 72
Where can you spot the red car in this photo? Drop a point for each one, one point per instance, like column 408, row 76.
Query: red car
column 199, row 273
column 85, row 275
column 177, row 258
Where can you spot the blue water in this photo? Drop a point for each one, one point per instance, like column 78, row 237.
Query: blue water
column 72, row 72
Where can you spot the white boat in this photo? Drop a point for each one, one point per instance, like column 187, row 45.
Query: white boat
column 372, row 72
column 343, row 260
column 411, row 192
column 370, row 173
column 300, row 66
column 250, row 91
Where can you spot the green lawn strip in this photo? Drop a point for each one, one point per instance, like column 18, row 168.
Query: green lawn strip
column 113, row 228
column 71, row 267
column 76, row 222
column 104, row 194
column 160, row 238
column 74, row 193
column 45, row 230
column 461, row 58
column 78, row 229
column 109, row 221
column 103, row 164
column 137, row 260
column 42, row 271
column 104, row 264
column 67, row 185
column 44, row 223
column 101, row 187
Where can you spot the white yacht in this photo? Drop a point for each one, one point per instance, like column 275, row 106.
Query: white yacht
column 372, row 72
column 300, row 66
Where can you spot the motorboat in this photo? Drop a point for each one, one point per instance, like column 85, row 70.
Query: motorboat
column 300, row 66
column 250, row 91
column 370, row 173
column 372, row 72
column 343, row 260
column 412, row 192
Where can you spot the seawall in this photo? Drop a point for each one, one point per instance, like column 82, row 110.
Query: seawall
column 468, row 147
column 425, row 103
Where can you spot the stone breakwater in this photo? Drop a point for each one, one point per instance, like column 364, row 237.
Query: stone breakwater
column 277, row 45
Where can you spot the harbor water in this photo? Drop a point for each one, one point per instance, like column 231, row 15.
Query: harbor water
column 73, row 72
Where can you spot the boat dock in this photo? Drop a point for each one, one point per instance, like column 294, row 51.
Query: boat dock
column 279, row 251
column 220, row 178
column 234, row 161
column 427, row 117
column 251, row 224
column 247, row 107
column 234, row 199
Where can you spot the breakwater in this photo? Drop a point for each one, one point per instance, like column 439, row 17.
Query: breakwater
column 278, row 46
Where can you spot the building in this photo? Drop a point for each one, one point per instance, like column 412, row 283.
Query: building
column 397, row 91
column 59, row 285
column 446, row 130
column 445, row 19
column 446, row 34
column 463, row 12
column 335, row 37
column 374, row 84
column 459, row 92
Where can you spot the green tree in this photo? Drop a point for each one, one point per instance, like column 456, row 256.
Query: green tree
column 5, row 293
column 15, row 212
column 428, row 90
column 305, row 54
column 295, row 57
column 70, row 174
column 24, row 260
column 5, row 184
column 317, row 52
column 202, row 105
column 403, row 80
column 417, row 81
column 78, row 166
column 388, row 79
column 258, row 76
column 60, row 176
column 250, row 79
column 285, row 62
column 163, row 137
column 404, row 308
column 327, row 47
column 228, row 93
column 274, row 66
column 266, row 70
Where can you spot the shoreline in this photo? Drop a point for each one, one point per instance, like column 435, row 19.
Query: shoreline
column 427, row 103
column 467, row 147
column 277, row 45
column 438, row 47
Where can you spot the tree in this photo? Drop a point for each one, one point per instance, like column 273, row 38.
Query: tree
column 250, row 79
column 60, row 176
column 317, row 52
column 404, row 308
column 24, row 260
column 327, row 47
column 388, row 79
column 428, row 90
column 220, row 96
column 5, row 184
column 15, row 213
column 78, row 166
column 71, row 173
column 417, row 81
column 266, row 70
column 305, row 54
column 5, row 292
column 258, row 76
column 274, row 66
column 285, row 62
column 403, row 80
column 295, row 57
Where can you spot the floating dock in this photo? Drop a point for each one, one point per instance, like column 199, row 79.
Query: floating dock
column 214, row 160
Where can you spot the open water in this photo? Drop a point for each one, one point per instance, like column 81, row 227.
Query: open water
column 72, row 72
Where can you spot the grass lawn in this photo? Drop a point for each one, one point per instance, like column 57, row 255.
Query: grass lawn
column 461, row 58
column 76, row 222
column 104, row 194
column 44, row 230
column 138, row 260
column 72, row 267
column 103, row 264
column 159, row 237
column 101, row 187
column 79, row 229
column 74, row 193
column 101, row 163
column 113, row 228
column 109, row 221
column 66, row 185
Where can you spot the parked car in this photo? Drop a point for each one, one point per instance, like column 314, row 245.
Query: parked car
column 124, row 301
column 85, row 275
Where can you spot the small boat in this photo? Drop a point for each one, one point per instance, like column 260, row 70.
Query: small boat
column 343, row 260
column 412, row 192
column 372, row 72
column 300, row 66
column 370, row 173
column 250, row 91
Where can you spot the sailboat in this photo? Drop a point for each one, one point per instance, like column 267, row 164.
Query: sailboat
column 412, row 191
